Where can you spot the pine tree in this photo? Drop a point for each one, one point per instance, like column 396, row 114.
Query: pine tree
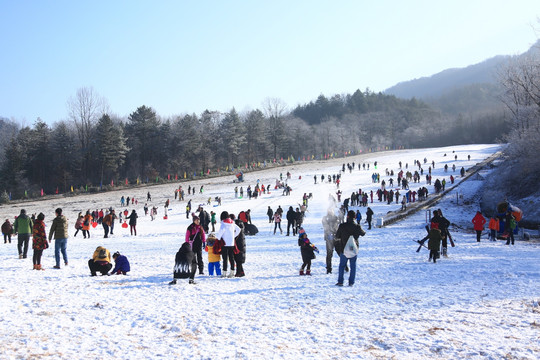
column 111, row 147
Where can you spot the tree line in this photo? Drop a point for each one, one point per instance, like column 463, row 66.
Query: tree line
column 94, row 147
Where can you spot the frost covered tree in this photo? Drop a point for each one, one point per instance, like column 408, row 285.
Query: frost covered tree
column 84, row 109
column 520, row 79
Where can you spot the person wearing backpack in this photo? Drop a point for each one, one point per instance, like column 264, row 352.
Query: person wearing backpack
column 86, row 224
column 511, row 224
column 100, row 261
column 345, row 232
column 106, row 223
column 59, row 229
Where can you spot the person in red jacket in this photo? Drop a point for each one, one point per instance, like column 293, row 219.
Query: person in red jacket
column 478, row 221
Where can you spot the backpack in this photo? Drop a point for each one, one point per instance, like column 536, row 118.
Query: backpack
column 513, row 224
column 351, row 249
column 218, row 245
column 102, row 254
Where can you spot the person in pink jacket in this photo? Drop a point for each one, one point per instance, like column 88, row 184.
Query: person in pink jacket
column 227, row 232
column 478, row 221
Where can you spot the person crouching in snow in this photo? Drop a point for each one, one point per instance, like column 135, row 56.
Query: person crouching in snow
column 307, row 250
column 100, row 261
column 214, row 257
column 185, row 264
column 121, row 264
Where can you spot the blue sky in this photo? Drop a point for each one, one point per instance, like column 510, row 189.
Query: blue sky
column 187, row 56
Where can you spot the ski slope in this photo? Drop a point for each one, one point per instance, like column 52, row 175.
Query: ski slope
column 480, row 303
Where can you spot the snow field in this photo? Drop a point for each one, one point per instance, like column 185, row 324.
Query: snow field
column 481, row 302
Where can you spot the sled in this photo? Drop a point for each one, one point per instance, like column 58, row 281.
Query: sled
column 94, row 224
column 165, row 217
column 250, row 229
column 125, row 225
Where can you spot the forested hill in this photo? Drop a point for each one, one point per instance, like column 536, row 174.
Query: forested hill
column 449, row 80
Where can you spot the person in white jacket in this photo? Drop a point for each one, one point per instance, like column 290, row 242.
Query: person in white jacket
column 227, row 232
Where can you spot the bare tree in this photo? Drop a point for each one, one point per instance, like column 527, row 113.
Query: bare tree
column 275, row 109
column 84, row 110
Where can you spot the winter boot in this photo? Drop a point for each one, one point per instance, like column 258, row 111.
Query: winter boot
column 191, row 281
column 301, row 272
column 444, row 253
column 172, row 282
column 308, row 272
column 35, row 267
column 231, row 274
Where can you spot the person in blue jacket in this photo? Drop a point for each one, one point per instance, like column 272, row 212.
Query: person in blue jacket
column 121, row 264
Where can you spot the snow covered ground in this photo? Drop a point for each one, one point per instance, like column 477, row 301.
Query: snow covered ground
column 480, row 303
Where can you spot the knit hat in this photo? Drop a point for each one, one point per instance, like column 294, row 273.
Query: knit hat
column 301, row 232
column 195, row 217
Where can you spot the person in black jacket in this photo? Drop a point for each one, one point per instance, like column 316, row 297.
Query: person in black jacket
column 369, row 217
column 291, row 219
column 185, row 264
column 442, row 224
column 344, row 231
column 133, row 222
column 270, row 214
column 240, row 256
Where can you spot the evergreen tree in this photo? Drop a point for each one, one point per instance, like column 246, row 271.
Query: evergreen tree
column 142, row 132
column 233, row 137
column 65, row 168
column 111, row 147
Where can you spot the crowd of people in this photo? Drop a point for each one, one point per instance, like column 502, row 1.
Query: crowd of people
column 226, row 247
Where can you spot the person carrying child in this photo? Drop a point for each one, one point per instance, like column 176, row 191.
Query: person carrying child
column 307, row 250
column 214, row 256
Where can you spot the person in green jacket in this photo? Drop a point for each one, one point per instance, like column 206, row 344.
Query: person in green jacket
column 59, row 229
column 23, row 227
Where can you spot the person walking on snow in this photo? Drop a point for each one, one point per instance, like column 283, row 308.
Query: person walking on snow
column 478, row 221
column 344, row 232
column 59, row 229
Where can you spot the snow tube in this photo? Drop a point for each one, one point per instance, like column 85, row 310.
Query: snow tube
column 504, row 206
column 125, row 225
column 250, row 229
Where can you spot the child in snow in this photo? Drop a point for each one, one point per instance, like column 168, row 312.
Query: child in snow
column 307, row 250
column 213, row 257
column 185, row 264
column 121, row 264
